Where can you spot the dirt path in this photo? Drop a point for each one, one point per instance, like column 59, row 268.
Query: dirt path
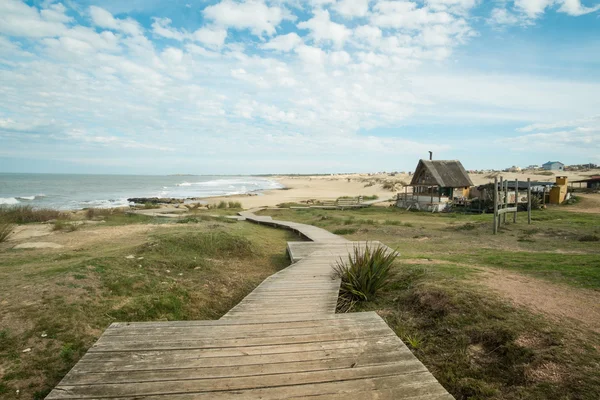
column 590, row 203
column 556, row 301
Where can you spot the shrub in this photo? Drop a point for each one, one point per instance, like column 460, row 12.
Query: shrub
column 92, row 213
column 222, row 204
column 344, row 231
column 5, row 231
column 585, row 238
column 366, row 271
column 62, row 225
column 26, row 214
column 373, row 197
column 234, row 204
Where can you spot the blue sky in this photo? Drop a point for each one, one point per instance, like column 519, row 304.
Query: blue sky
column 290, row 86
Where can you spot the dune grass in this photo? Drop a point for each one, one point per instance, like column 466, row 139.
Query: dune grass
column 24, row 214
column 480, row 347
column 128, row 272
column 6, row 230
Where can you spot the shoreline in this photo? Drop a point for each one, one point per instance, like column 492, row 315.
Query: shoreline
column 304, row 188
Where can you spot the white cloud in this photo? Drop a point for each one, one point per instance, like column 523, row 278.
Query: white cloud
column 501, row 16
column 283, row 42
column 580, row 138
column 535, row 8
column 370, row 34
column 162, row 27
column 105, row 19
column 322, row 29
column 254, row 15
column 352, row 8
column 211, row 36
column 575, row 8
column 18, row 19
column 311, row 55
column 407, row 15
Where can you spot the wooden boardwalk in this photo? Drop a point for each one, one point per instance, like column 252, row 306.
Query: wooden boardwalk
column 283, row 341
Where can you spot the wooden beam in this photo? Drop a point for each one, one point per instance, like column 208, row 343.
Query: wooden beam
column 516, row 200
column 529, row 201
column 504, row 211
column 495, row 229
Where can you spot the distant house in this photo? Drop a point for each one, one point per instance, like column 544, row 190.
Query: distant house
column 435, row 183
column 553, row 166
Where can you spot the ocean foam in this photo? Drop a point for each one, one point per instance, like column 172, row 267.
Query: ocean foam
column 8, row 200
column 26, row 198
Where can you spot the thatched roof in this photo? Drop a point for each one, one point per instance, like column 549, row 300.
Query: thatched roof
column 444, row 173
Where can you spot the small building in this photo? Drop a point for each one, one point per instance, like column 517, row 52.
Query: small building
column 591, row 183
column 435, row 184
column 553, row 166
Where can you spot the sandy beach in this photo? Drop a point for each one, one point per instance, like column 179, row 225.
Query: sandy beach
column 383, row 185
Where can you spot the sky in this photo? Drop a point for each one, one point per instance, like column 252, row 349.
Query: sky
column 291, row 86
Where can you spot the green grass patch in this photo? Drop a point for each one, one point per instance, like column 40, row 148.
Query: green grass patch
column 581, row 270
column 480, row 347
column 345, row 231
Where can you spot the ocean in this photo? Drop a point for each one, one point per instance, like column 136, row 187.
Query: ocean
column 72, row 192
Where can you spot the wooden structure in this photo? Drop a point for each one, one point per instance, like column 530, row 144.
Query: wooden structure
column 435, row 184
column 592, row 183
column 502, row 201
column 283, row 341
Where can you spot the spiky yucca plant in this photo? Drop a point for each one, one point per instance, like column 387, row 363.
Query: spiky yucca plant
column 366, row 271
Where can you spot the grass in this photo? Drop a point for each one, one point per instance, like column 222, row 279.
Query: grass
column 6, row 230
column 177, row 272
column 478, row 346
column 365, row 272
column 581, row 270
column 64, row 225
column 25, row 214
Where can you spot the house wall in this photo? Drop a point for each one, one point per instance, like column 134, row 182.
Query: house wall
column 553, row 167
column 423, row 203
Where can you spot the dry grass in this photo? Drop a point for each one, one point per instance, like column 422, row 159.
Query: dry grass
column 58, row 302
column 28, row 214
column 5, row 231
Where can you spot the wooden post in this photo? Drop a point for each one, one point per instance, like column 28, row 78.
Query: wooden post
column 544, row 196
column 516, row 200
column 495, row 230
column 431, row 194
column 505, row 200
column 529, row 201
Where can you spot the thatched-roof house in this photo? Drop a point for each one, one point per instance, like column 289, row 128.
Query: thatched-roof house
column 435, row 183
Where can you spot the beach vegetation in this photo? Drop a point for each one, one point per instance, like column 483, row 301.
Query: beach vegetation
column 65, row 225
column 166, row 271
column 6, row 230
column 24, row 214
column 234, row 204
column 365, row 272
column 477, row 341
column 222, row 204
column 345, row 231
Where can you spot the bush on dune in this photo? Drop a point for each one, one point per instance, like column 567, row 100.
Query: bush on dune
column 5, row 231
column 27, row 214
